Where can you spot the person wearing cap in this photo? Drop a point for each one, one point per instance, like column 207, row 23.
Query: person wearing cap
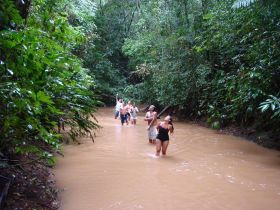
column 151, row 118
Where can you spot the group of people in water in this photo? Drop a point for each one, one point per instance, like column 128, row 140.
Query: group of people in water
column 158, row 132
column 126, row 112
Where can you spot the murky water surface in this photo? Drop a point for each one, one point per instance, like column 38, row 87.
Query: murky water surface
column 202, row 170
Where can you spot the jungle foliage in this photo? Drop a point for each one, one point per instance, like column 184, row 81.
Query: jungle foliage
column 41, row 78
column 102, row 53
column 214, row 59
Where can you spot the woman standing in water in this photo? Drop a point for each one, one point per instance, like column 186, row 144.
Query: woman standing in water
column 162, row 140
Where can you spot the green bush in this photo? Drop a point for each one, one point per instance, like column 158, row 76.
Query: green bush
column 41, row 80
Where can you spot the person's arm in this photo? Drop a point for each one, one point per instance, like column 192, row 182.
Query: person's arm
column 121, row 108
column 171, row 128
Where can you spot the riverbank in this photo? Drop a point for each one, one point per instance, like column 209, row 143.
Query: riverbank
column 33, row 187
column 267, row 139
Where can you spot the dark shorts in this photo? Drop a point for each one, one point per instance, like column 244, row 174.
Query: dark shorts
column 123, row 118
column 117, row 113
column 162, row 140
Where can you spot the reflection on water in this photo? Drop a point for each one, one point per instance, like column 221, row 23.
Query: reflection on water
column 202, row 170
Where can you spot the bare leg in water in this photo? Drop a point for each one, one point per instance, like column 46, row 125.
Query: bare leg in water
column 158, row 147
column 164, row 147
column 161, row 146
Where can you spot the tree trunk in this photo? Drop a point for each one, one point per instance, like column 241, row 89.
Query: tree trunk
column 162, row 111
column 23, row 7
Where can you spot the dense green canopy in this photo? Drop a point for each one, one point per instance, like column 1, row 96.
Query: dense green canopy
column 41, row 78
column 208, row 58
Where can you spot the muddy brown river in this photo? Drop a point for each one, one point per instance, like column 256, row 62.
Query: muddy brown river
column 202, row 170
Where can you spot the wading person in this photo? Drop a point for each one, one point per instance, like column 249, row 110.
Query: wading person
column 128, row 108
column 118, row 107
column 151, row 118
column 133, row 114
column 163, row 135
column 123, row 115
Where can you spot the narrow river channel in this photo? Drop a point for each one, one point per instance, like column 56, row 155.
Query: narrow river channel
column 202, row 170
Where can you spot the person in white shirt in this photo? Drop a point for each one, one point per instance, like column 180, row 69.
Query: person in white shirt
column 151, row 118
column 119, row 104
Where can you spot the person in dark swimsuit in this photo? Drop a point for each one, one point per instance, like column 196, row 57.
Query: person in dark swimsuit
column 162, row 140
